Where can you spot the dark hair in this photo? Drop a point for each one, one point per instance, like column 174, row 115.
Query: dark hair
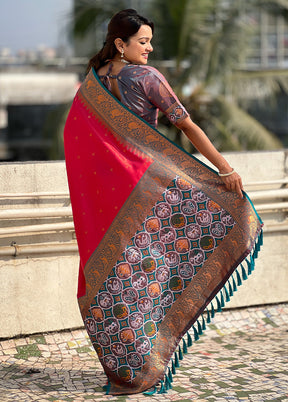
column 123, row 25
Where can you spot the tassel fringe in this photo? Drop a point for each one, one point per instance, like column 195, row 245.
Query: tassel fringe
column 228, row 290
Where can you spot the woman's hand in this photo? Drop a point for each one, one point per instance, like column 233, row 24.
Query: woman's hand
column 202, row 143
column 233, row 182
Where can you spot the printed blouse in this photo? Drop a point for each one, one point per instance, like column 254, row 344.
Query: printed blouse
column 145, row 91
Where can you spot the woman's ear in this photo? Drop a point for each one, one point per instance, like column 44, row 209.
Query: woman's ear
column 119, row 44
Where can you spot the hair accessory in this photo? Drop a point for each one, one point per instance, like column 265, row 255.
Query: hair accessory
column 226, row 174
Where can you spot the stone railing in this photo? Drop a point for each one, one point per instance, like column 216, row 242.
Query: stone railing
column 38, row 249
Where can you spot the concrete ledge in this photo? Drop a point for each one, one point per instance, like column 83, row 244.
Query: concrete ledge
column 38, row 290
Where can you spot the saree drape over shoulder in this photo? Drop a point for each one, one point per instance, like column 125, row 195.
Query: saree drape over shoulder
column 159, row 239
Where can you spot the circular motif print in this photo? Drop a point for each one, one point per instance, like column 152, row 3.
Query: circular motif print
column 103, row 339
column 118, row 349
column 157, row 249
column 148, row 265
column 114, row 286
column 129, row 295
column 178, row 221
column 142, row 345
column 136, row 320
column 193, row 231
column 110, row 362
column 150, row 329
column 207, row 243
column 182, row 245
column 145, row 305
column 134, row 360
column 97, row 314
column 166, row 298
column 152, row 225
column 203, row 218
column 227, row 219
column 163, row 210
column 120, row 311
column 90, row 325
column 183, row 184
column 172, row 259
column 198, row 196
column 213, row 206
column 142, row 240
column 125, row 373
column 157, row 313
column 133, row 255
column 217, row 229
column 105, row 300
column 196, row 256
column 175, row 284
column 173, row 196
column 139, row 280
column 127, row 336
column 186, row 270
column 188, row 207
column 162, row 274
column 167, row 235
column 111, row 326
column 154, row 290
column 123, row 271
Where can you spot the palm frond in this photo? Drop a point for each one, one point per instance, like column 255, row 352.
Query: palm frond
column 244, row 129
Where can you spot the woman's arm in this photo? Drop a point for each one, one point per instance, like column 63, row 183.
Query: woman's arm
column 202, row 143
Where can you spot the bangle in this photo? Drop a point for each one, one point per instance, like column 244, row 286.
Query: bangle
column 226, row 174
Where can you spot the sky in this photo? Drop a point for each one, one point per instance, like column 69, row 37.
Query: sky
column 26, row 24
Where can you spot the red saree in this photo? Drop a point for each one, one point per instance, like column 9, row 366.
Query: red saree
column 159, row 240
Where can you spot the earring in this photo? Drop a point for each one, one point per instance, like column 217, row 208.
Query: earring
column 122, row 57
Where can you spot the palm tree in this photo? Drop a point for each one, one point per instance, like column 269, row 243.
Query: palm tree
column 212, row 40
column 204, row 41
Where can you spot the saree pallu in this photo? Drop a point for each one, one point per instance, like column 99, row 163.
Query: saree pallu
column 159, row 240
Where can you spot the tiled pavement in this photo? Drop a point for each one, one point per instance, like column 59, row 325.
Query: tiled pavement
column 242, row 356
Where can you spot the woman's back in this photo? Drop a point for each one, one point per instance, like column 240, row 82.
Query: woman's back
column 143, row 90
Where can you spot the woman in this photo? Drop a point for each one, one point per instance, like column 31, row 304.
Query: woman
column 159, row 233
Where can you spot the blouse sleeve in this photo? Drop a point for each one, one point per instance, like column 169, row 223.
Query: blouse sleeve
column 161, row 95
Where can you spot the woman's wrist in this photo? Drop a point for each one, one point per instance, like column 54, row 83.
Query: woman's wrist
column 222, row 174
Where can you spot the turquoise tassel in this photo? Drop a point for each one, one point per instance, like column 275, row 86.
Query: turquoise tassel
column 173, row 368
column 222, row 299
column 234, row 284
column 260, row 241
column 107, row 387
column 189, row 339
column 212, row 311
column 167, row 383
column 176, row 360
column 244, row 275
column 184, row 346
column 152, row 392
column 170, row 376
column 200, row 332
column 252, row 262
column 196, row 336
column 249, row 267
column 226, row 294
column 203, row 323
column 208, row 316
column 180, row 353
column 219, row 309
column 239, row 281
column 230, row 289
column 162, row 390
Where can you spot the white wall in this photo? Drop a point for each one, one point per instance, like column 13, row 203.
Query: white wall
column 38, row 285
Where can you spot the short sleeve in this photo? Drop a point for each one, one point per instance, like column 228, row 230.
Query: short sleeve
column 161, row 95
